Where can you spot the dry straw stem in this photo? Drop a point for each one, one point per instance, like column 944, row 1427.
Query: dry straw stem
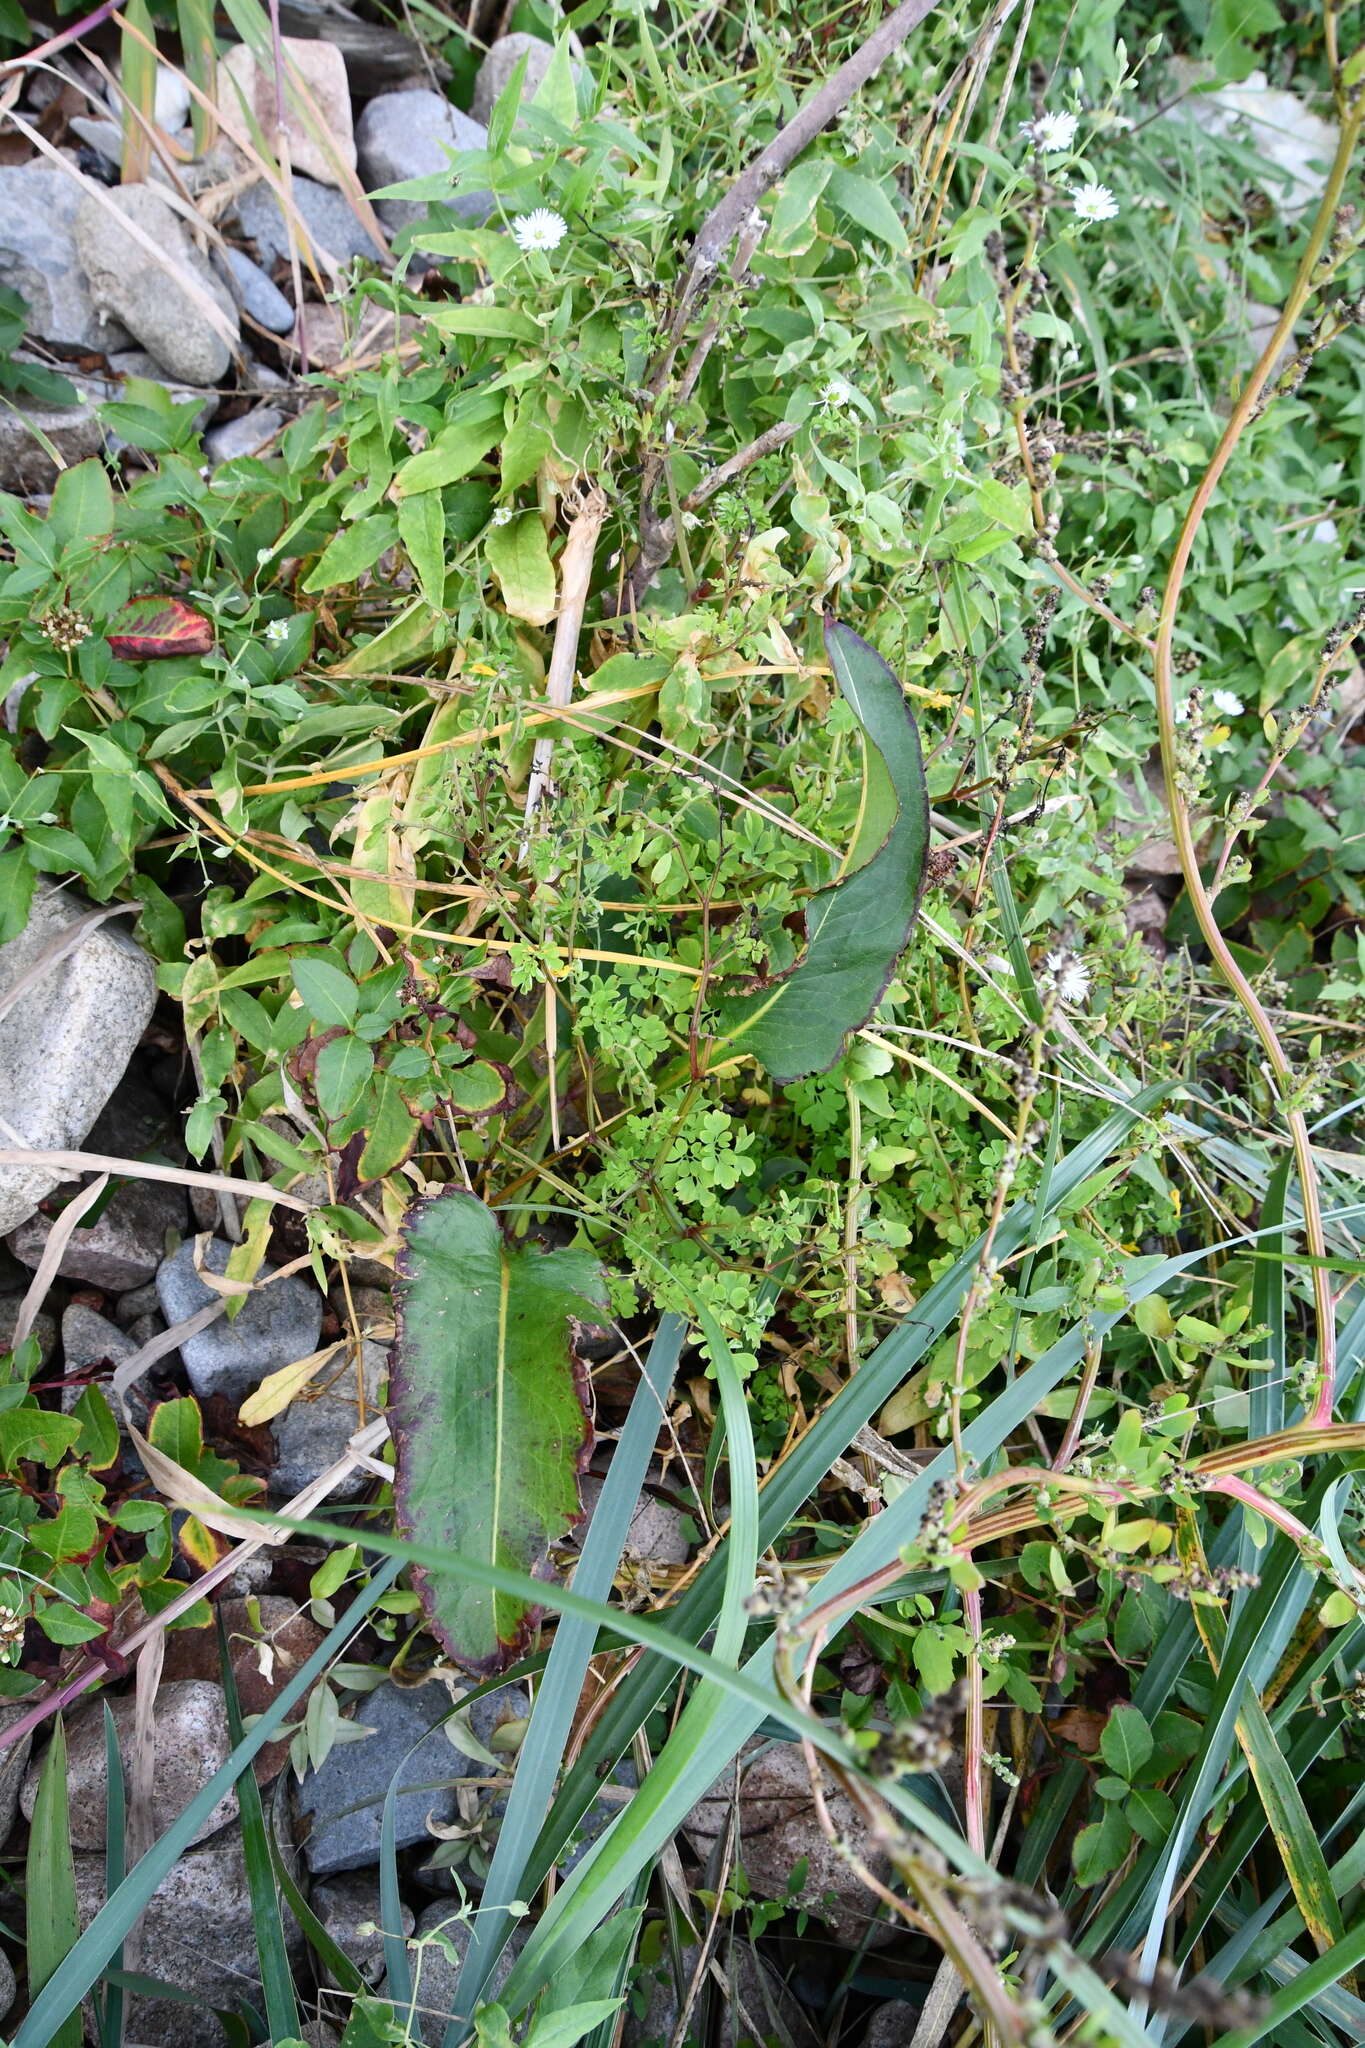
column 588, row 509
column 1182, row 831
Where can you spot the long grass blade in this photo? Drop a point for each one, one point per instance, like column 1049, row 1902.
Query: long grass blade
column 53, row 1921
column 277, row 1981
column 111, row 2008
column 558, row 1694
column 139, row 93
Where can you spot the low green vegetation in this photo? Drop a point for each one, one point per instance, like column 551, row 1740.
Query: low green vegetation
column 655, row 792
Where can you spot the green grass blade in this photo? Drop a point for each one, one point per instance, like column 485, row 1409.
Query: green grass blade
column 334, row 1959
column 1341, row 1960
column 558, row 1694
column 59, row 2000
column 277, row 1982
column 115, row 1852
column 1299, row 1847
column 139, row 89
column 53, row 1922
column 396, row 1960
column 199, row 51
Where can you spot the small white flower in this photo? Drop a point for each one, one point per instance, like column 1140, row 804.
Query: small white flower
column 277, row 630
column 1068, row 975
column 540, row 229
column 1228, row 702
column 836, row 394
column 502, row 516
column 1325, row 533
column 1094, row 202
column 1054, row 133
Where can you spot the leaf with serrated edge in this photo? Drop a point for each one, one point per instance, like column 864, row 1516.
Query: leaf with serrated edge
column 490, row 1411
column 856, row 930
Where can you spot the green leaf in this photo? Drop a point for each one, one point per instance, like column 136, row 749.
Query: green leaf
column 792, row 227
column 99, row 1432
column 422, row 530
column 352, row 551
column 454, row 452
column 82, row 502
column 392, row 1133
column 519, row 556
column 1100, row 1848
column 489, row 1408
column 479, row 1088
column 329, row 996
column 867, row 205
column 500, row 323
column 37, row 1434
column 1295, row 1836
column 856, row 931
column 344, row 1066
column 52, row 1919
column 1150, row 1813
column 1126, row 1742
column 1228, row 39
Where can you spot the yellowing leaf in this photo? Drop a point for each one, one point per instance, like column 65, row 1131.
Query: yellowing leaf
column 278, row 1389
column 382, row 849
column 519, row 556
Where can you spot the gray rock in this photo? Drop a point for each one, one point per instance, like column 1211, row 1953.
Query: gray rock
column 89, row 1340
column 778, row 1828
column 410, row 135
column 502, row 60
column 263, row 301
column 246, row 435
column 198, row 1934
column 38, row 257
column 348, row 1907
column 1295, row 144
column 192, row 1742
column 150, row 298
column 344, row 1801
column 435, row 1977
column 27, row 466
column 279, row 1324
column 8, row 1986
column 44, row 1326
column 656, row 1535
column 247, row 89
column 316, row 1427
column 13, row 1765
column 326, row 215
column 893, row 2025
column 67, row 1039
column 142, row 1301
column 757, row 2005
column 123, row 1247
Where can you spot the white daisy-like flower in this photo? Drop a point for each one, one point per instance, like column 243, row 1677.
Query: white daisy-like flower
column 1054, row 134
column 1068, row 975
column 1094, row 202
column 836, row 394
column 1228, row 702
column 542, row 228
column 503, row 515
column 277, row 630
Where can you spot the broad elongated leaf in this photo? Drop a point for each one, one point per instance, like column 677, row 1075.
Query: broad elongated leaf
column 520, row 559
column 856, row 930
column 489, row 1408
column 53, row 1923
column 151, row 628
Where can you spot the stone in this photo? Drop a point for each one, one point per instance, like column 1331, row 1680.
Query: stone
column 278, row 1325
column 66, row 1040
column 90, row 1340
column 778, row 1828
column 44, row 1326
column 1279, row 127
column 326, row 215
column 344, row 1801
column 893, row 2025
column 249, row 434
column 656, row 1535
column 410, row 135
column 38, row 258
column 28, row 467
column 8, row 1986
column 497, row 67
column 123, row 1247
column 316, row 1427
column 262, row 301
column 192, row 1742
column 198, row 1934
column 150, row 297
column 320, row 69
column 141, row 1301
column 758, row 2008
column 435, row 1977
column 264, row 1660
column 348, row 1905
column 13, row 1767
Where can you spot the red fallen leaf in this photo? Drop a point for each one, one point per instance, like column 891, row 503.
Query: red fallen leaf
column 150, row 628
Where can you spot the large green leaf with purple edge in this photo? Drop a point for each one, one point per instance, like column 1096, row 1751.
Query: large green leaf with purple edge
column 490, row 1411
column 798, row 1023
